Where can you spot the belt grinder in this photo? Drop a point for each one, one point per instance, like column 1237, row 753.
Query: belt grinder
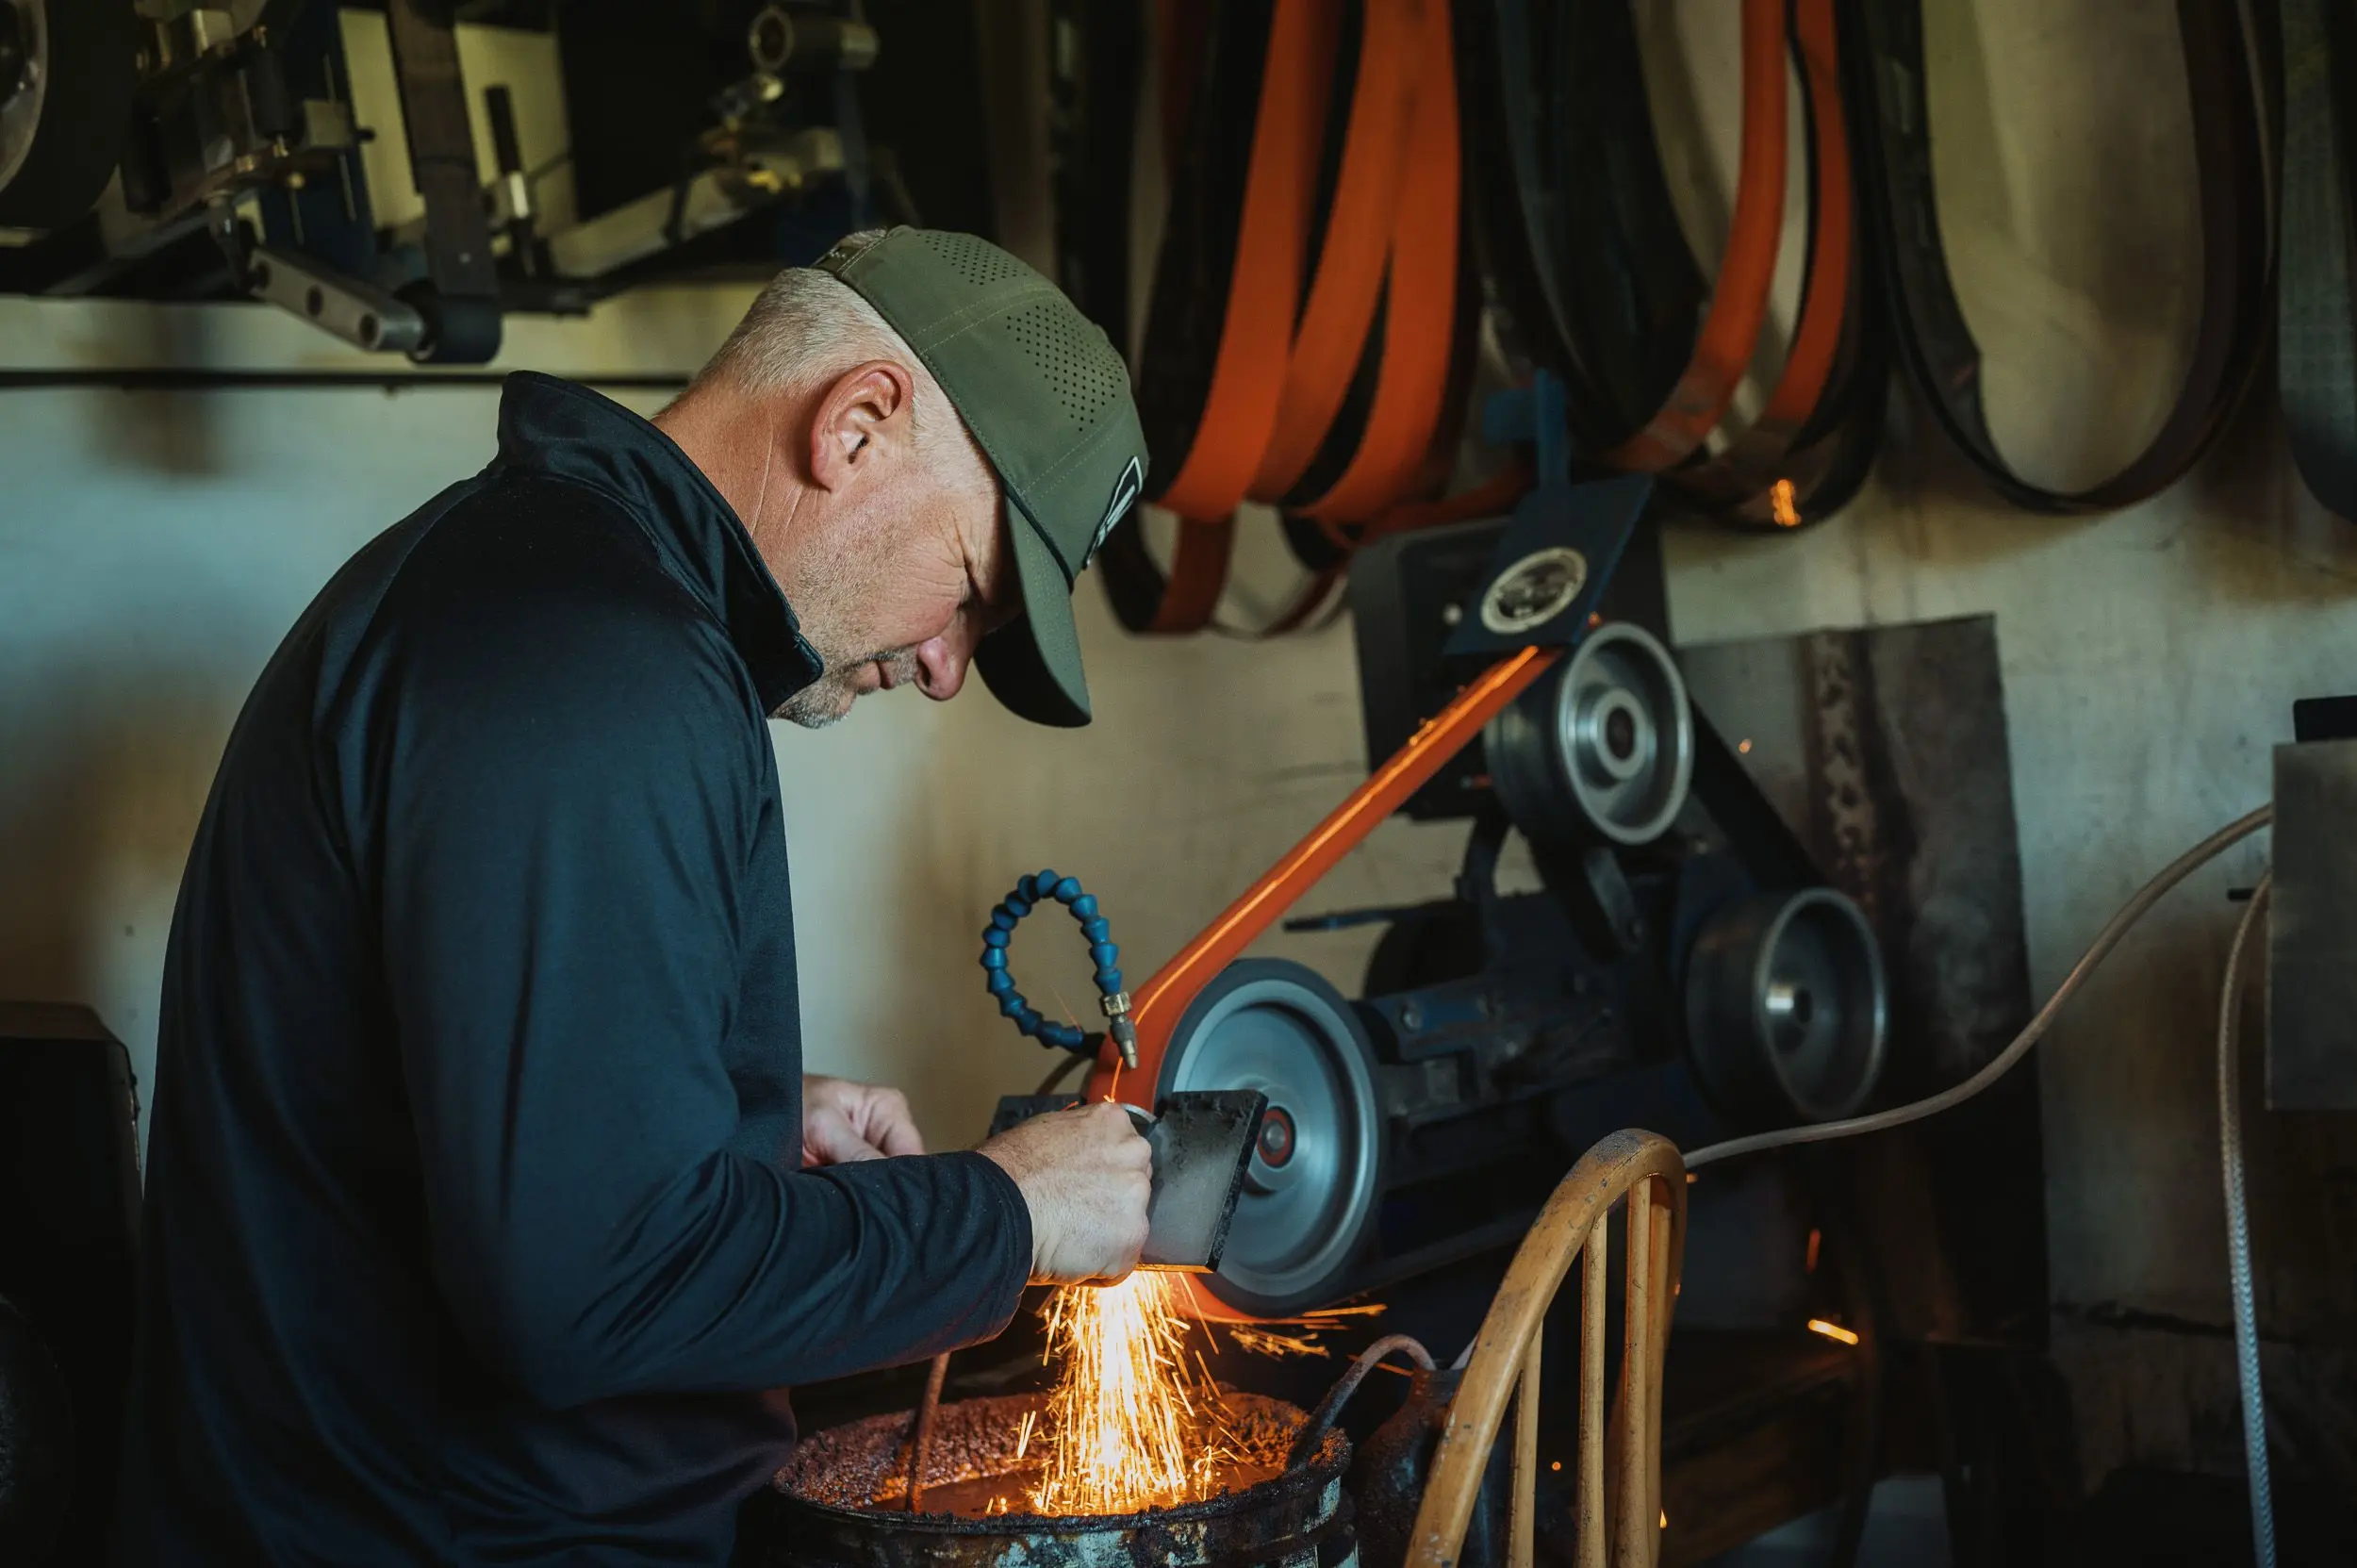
column 1683, row 967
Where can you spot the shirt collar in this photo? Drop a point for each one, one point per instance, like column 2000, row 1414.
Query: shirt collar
column 560, row 428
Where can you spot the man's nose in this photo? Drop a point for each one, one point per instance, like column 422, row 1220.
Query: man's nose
column 942, row 661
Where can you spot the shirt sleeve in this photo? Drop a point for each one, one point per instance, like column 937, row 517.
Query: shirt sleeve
column 567, row 801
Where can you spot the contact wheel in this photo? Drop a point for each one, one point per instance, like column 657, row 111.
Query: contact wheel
column 1311, row 1190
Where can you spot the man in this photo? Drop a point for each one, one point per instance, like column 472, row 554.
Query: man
column 488, row 1212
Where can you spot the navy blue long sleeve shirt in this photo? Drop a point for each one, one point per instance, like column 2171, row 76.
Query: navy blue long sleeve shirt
column 474, row 1229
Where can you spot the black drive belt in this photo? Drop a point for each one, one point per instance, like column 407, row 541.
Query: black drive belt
column 1581, row 240
column 2316, row 326
column 1775, row 475
column 1937, row 347
column 1574, row 212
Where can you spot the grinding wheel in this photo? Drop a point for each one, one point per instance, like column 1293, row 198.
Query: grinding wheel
column 1311, row 1186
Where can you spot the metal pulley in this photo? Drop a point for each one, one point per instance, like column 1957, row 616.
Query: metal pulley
column 1314, row 1177
column 1786, row 1007
column 779, row 36
column 1602, row 748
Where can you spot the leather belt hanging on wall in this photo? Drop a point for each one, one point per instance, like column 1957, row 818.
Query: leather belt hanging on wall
column 1577, row 232
column 1310, row 326
column 2316, row 318
column 1580, row 238
column 1739, row 306
column 1813, row 442
column 1933, row 337
column 1323, row 399
column 1304, row 351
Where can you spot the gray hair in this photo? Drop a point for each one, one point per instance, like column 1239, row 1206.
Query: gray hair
column 807, row 327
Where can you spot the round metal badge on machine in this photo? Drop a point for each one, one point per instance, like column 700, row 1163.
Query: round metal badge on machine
column 1534, row 590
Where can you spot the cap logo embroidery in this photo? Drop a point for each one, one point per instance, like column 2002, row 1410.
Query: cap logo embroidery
column 1125, row 490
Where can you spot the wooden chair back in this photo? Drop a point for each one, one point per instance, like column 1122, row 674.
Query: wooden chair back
column 1617, row 1490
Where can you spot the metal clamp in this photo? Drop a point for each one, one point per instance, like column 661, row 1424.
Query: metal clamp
column 359, row 313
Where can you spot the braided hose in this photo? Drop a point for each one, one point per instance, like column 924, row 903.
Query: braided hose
column 2254, row 1411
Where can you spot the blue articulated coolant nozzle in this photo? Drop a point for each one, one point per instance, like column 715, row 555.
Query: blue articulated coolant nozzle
column 1030, row 893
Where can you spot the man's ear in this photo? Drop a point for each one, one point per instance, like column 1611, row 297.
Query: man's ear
column 862, row 416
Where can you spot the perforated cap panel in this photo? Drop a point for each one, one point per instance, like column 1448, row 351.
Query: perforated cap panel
column 977, row 262
column 1071, row 357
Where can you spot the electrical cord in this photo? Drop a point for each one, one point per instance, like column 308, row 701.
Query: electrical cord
column 2229, row 1130
column 2105, row 940
column 2254, row 1415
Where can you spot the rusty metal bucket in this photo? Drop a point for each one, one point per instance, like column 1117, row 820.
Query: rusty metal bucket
column 840, row 1503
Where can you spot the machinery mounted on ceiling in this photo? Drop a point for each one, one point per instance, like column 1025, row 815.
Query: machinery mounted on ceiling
column 169, row 150
column 67, row 71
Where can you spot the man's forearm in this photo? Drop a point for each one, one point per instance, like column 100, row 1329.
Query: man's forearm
column 744, row 1276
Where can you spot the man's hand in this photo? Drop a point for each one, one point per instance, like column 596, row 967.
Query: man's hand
column 843, row 1121
column 1085, row 1175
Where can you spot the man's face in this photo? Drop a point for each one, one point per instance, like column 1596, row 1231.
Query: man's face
column 917, row 570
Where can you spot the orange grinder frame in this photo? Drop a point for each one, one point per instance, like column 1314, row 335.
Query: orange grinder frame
column 1551, row 525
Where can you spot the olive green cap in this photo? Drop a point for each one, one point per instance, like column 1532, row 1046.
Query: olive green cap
column 1046, row 397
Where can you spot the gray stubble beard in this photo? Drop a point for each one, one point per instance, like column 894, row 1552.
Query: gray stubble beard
column 803, row 709
column 828, row 700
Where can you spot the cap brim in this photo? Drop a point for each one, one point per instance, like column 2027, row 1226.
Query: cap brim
column 1032, row 664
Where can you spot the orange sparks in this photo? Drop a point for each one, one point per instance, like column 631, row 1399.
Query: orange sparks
column 1781, row 505
column 1832, row 1330
column 1816, row 1240
column 1260, row 1337
column 1268, row 1341
column 1130, row 1424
